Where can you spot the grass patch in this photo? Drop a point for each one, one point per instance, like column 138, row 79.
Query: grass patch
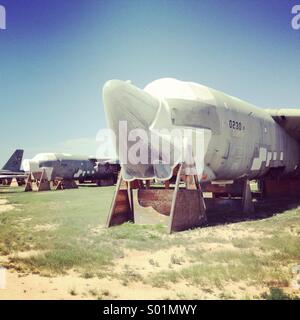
column 278, row 294
column 72, row 244
column 259, row 253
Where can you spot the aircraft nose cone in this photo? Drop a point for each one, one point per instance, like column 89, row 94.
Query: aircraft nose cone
column 137, row 109
column 30, row 166
column 125, row 102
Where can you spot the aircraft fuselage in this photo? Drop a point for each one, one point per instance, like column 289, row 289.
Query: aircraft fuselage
column 245, row 141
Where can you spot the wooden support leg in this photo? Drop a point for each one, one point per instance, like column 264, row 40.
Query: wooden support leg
column 59, row 185
column 122, row 205
column 202, row 201
column 247, row 203
column 28, row 186
column 66, row 184
column 44, row 183
column 188, row 207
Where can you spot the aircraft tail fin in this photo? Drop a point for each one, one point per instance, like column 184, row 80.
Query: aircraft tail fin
column 15, row 161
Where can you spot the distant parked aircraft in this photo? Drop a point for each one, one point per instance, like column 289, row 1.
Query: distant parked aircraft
column 12, row 169
column 70, row 167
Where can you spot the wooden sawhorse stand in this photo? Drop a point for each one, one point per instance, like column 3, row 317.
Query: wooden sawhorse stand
column 185, row 206
column 37, row 181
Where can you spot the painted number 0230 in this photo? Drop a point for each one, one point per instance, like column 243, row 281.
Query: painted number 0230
column 235, row 125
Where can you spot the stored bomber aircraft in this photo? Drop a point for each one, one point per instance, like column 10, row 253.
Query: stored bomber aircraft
column 70, row 167
column 245, row 142
column 12, row 169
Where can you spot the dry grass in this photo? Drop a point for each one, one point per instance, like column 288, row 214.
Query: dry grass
column 54, row 234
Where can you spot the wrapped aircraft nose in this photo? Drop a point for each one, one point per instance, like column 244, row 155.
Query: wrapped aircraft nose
column 32, row 166
column 123, row 101
column 133, row 110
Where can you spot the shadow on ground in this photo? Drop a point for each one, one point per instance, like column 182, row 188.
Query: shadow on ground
column 226, row 211
column 264, row 208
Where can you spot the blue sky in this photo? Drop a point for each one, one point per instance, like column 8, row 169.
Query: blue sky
column 55, row 56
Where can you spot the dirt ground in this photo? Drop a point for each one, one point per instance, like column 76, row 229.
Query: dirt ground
column 240, row 260
column 73, row 286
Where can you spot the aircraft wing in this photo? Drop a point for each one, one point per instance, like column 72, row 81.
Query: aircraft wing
column 17, row 176
column 288, row 119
